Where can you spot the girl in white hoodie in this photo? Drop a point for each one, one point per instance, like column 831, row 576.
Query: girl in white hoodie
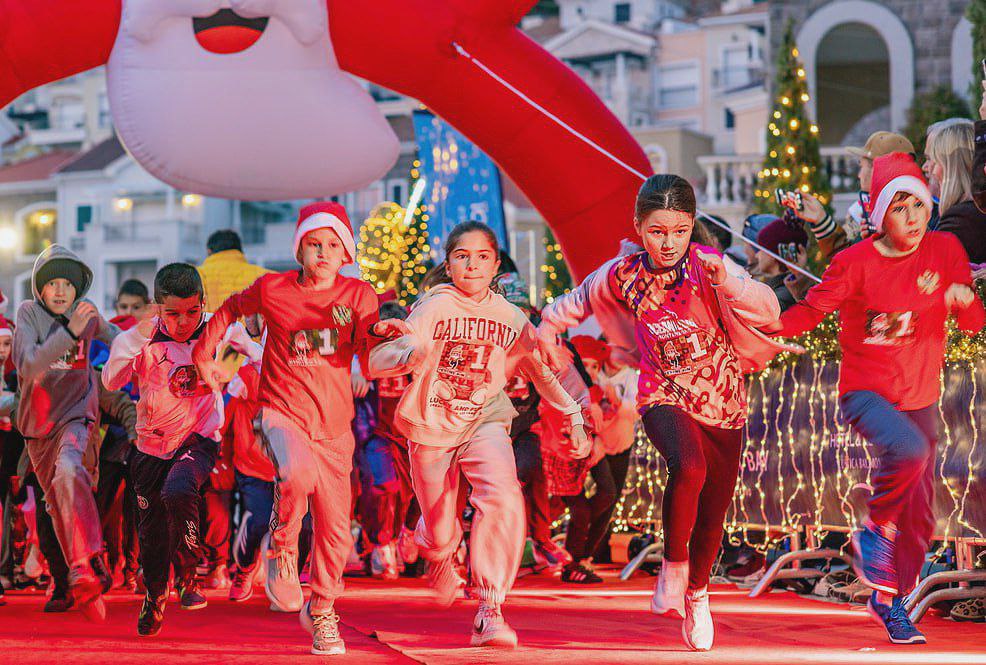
column 462, row 342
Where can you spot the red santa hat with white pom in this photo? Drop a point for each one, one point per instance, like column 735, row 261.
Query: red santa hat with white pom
column 894, row 173
column 326, row 215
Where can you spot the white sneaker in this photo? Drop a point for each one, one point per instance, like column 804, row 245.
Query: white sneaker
column 407, row 549
column 697, row 629
column 324, row 629
column 669, row 590
column 282, row 584
column 490, row 630
column 383, row 562
column 445, row 581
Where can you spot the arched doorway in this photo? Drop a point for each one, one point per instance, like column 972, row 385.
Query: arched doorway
column 893, row 38
column 852, row 84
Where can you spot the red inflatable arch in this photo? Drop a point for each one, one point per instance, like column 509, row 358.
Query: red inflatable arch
column 586, row 198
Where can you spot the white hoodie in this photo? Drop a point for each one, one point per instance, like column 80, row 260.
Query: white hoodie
column 174, row 402
column 463, row 351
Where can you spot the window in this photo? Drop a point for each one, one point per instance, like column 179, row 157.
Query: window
column 622, row 12
column 678, row 86
column 730, row 120
column 39, row 230
column 105, row 117
column 83, row 217
column 397, row 192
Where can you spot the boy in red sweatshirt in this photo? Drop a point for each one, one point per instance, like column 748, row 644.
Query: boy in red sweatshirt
column 316, row 320
column 894, row 292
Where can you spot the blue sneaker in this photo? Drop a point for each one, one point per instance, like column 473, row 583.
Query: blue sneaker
column 873, row 557
column 895, row 620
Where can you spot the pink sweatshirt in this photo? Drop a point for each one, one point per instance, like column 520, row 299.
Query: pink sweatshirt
column 463, row 352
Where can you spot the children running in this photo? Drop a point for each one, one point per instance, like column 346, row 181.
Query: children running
column 316, row 320
column 179, row 418
column 894, row 292
column 462, row 342
column 694, row 329
column 58, row 413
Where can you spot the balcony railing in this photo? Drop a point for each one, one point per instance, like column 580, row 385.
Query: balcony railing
column 730, row 78
column 731, row 179
column 161, row 231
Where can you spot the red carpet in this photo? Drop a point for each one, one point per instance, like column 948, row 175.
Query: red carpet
column 396, row 623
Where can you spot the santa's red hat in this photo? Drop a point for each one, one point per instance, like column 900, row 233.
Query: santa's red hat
column 6, row 329
column 894, row 173
column 326, row 215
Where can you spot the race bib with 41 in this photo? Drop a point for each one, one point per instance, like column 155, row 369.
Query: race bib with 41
column 889, row 328
column 462, row 379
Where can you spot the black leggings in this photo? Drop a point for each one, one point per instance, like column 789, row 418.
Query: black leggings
column 703, row 462
column 589, row 520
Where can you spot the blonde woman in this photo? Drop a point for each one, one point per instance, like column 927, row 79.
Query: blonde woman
column 949, row 153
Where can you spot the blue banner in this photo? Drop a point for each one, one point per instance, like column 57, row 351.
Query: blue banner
column 462, row 182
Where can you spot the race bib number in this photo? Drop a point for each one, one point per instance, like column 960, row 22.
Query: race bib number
column 75, row 358
column 183, row 381
column 393, row 387
column 462, row 378
column 685, row 354
column 890, row 328
column 309, row 347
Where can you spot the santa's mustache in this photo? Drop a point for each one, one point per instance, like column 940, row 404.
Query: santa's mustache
column 306, row 19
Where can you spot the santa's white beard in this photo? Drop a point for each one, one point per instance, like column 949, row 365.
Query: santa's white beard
column 276, row 121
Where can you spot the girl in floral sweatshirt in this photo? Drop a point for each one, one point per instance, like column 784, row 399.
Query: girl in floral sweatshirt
column 694, row 331
column 462, row 342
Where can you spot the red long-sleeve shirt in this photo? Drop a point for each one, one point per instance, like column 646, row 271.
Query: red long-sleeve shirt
column 312, row 336
column 892, row 315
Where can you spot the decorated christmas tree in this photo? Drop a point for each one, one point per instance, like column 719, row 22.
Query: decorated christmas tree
column 557, row 281
column 393, row 246
column 793, row 161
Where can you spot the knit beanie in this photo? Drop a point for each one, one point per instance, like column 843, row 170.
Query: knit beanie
column 780, row 232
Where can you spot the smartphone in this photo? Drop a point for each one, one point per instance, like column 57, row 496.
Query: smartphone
column 792, row 200
column 983, row 63
column 788, row 251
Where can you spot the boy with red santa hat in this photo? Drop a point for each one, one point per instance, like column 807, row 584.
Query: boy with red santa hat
column 894, row 292
column 316, row 321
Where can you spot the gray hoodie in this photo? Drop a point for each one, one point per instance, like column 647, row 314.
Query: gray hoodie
column 57, row 382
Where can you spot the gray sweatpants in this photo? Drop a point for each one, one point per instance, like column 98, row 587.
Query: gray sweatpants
column 65, row 463
column 312, row 475
column 497, row 538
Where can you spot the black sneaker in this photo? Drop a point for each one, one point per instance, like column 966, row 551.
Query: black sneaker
column 60, row 601
column 101, row 571
column 190, row 596
column 580, row 575
column 894, row 618
column 151, row 616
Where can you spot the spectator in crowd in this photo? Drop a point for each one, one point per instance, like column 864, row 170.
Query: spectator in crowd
column 225, row 270
column 948, row 166
column 857, row 224
column 789, row 241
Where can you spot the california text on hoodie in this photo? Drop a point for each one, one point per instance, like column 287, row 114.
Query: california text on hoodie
column 464, row 351
column 57, row 382
column 174, row 401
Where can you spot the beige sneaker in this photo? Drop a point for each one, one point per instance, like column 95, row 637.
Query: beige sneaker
column 697, row 628
column 490, row 630
column 324, row 629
